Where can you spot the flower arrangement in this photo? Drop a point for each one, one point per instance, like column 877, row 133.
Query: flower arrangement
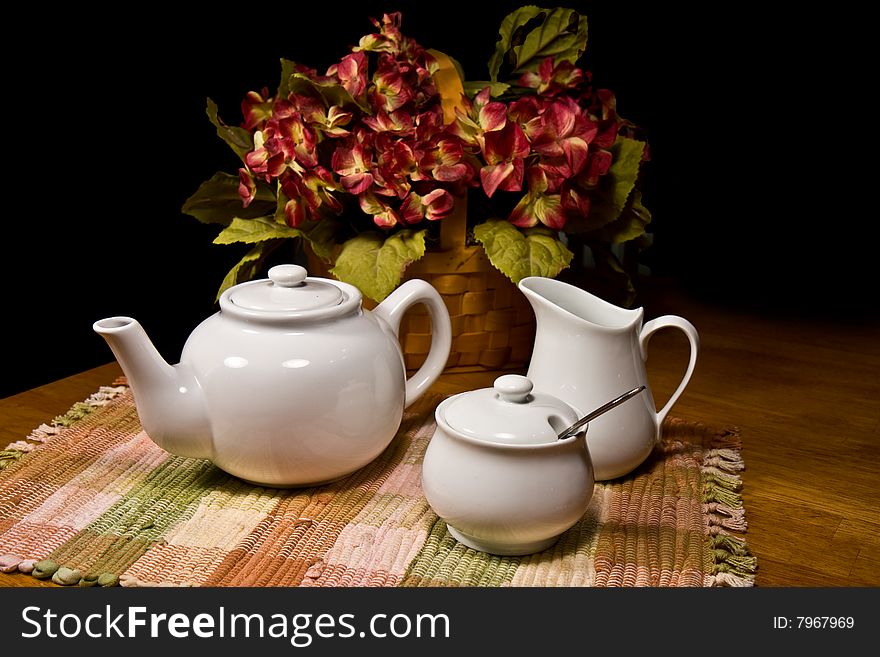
column 363, row 161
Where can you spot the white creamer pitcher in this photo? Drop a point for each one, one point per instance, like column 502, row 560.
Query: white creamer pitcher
column 588, row 350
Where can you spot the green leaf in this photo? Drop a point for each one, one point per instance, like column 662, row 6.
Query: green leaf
column 320, row 235
column 217, row 201
column 562, row 36
column 510, row 25
column 287, row 69
column 281, row 203
column 251, row 231
column 375, row 263
column 238, row 139
column 517, row 254
column 530, row 34
column 333, row 94
column 248, row 266
column 631, row 223
column 473, row 87
column 615, row 187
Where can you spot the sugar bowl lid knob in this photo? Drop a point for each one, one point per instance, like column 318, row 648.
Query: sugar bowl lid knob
column 513, row 388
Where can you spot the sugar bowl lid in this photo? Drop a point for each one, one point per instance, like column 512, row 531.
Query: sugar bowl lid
column 509, row 412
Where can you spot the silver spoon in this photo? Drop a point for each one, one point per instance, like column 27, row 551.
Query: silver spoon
column 573, row 429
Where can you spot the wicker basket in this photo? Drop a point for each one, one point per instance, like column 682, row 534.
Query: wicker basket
column 493, row 326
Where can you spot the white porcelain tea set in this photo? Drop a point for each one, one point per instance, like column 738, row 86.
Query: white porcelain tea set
column 294, row 383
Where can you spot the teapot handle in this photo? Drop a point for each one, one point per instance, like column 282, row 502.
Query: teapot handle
column 671, row 321
column 392, row 310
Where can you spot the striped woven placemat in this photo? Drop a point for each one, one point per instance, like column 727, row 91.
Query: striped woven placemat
column 89, row 500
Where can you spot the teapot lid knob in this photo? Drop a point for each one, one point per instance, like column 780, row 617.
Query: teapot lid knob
column 513, row 388
column 288, row 275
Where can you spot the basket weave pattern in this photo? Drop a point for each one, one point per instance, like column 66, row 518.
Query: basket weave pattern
column 493, row 326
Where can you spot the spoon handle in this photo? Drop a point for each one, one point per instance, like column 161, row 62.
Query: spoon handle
column 573, row 429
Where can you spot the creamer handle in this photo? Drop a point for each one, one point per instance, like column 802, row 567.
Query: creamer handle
column 672, row 321
column 392, row 310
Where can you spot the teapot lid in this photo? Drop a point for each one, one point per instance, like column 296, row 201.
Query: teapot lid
column 509, row 412
column 286, row 290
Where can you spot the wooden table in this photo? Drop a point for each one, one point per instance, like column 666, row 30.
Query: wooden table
column 805, row 395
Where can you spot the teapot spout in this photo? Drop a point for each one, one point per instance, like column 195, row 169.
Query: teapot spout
column 168, row 398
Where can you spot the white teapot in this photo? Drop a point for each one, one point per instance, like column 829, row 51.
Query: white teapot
column 291, row 383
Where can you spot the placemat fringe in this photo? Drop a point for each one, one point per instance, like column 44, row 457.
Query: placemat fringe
column 732, row 563
column 729, row 579
column 45, row 432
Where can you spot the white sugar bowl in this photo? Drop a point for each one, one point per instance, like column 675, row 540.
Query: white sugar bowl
column 496, row 472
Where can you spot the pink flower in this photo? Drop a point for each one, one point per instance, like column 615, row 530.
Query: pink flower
column 390, row 90
column 394, row 166
column 561, row 130
column 314, row 115
column 297, row 140
column 399, row 122
column 429, row 123
column 247, row 188
column 575, row 200
column 383, row 214
column 352, row 163
column 504, row 152
column 525, row 109
column 286, row 141
column 300, row 201
column 296, row 212
column 603, row 108
column 388, row 38
column 597, row 165
column 335, row 119
column 307, row 193
column 376, row 152
column 256, row 109
column 443, row 162
column 551, row 80
column 479, row 117
column 310, row 109
column 352, row 73
column 432, row 206
column 266, row 160
column 537, row 205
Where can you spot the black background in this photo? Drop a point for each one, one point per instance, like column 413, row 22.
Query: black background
column 759, row 196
